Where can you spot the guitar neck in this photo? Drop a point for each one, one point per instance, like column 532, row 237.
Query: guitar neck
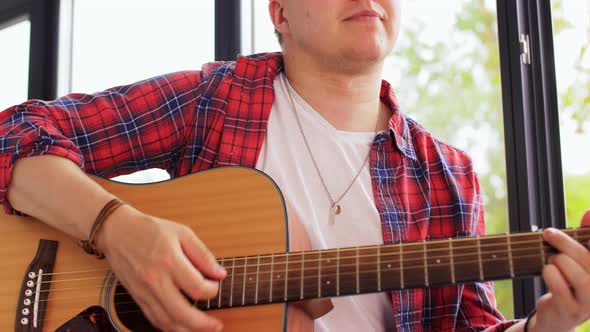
column 314, row 274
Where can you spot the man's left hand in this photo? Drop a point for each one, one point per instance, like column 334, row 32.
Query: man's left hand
column 567, row 276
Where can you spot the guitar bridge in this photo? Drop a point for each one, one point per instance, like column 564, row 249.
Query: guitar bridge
column 32, row 301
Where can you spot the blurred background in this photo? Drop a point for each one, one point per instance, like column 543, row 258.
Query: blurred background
column 446, row 70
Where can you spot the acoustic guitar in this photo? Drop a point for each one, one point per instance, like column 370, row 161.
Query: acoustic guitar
column 49, row 284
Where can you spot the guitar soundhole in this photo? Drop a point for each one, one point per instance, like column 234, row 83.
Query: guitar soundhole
column 129, row 312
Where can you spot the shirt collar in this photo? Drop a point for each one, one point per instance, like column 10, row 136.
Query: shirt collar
column 271, row 64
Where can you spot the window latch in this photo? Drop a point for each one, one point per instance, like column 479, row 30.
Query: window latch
column 525, row 50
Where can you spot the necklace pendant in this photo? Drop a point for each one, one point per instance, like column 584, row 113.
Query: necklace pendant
column 334, row 211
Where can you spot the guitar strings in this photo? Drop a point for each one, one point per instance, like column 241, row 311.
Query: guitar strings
column 391, row 245
column 313, row 278
column 380, row 255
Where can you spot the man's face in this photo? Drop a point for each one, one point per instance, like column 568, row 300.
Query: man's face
column 357, row 30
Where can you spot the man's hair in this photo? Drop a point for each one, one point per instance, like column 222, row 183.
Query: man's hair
column 279, row 37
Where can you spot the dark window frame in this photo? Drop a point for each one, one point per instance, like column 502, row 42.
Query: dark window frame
column 531, row 129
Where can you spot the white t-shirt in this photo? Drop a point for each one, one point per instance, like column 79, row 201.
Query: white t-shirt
column 339, row 154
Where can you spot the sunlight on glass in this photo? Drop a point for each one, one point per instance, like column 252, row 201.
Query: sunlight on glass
column 14, row 67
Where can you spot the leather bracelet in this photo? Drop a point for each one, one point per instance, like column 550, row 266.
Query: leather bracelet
column 90, row 245
column 528, row 319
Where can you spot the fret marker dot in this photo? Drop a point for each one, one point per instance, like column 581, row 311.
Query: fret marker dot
column 494, row 256
column 438, row 261
column 328, row 282
column 328, row 261
column 250, row 279
column 278, row 276
column 389, row 266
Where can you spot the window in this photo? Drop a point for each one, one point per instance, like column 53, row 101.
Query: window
column 14, row 41
column 121, row 42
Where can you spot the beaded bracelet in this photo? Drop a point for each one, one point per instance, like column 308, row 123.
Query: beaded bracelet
column 90, row 245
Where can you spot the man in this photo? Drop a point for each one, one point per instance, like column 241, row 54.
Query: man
column 321, row 122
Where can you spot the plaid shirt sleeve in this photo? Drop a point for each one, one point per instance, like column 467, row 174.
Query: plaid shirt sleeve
column 117, row 131
column 477, row 309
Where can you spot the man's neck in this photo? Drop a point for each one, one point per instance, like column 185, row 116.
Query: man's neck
column 348, row 99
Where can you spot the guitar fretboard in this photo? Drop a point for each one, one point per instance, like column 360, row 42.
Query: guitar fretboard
column 295, row 276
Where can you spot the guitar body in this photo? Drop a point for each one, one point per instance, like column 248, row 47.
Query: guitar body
column 235, row 211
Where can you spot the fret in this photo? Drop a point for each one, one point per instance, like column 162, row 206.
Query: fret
column 220, row 292
column 401, row 266
column 389, row 266
column 452, row 265
column 358, row 289
column 465, row 260
column 413, row 271
column 238, row 280
column 265, row 266
column 249, row 284
column 368, row 269
column 294, row 275
column 286, row 275
column 302, row 274
column 329, row 273
column 347, row 271
column 257, row 278
column 244, row 278
column 278, row 278
column 379, row 268
column 231, row 287
column 510, row 260
column 542, row 250
column 272, row 265
column 479, row 258
column 525, row 251
column 337, row 271
column 310, row 275
column 426, row 281
column 319, row 274
column 495, row 256
column 437, row 259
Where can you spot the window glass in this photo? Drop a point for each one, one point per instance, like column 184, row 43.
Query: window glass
column 14, row 80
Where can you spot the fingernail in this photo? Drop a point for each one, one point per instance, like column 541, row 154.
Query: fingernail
column 551, row 231
column 221, row 269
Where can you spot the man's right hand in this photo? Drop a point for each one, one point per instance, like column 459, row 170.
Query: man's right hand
column 155, row 259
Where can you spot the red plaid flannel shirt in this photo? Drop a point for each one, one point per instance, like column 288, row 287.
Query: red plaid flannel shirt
column 191, row 121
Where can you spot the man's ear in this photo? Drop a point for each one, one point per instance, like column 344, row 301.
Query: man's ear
column 276, row 9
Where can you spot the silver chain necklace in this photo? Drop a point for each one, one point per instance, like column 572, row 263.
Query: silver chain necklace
column 335, row 208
